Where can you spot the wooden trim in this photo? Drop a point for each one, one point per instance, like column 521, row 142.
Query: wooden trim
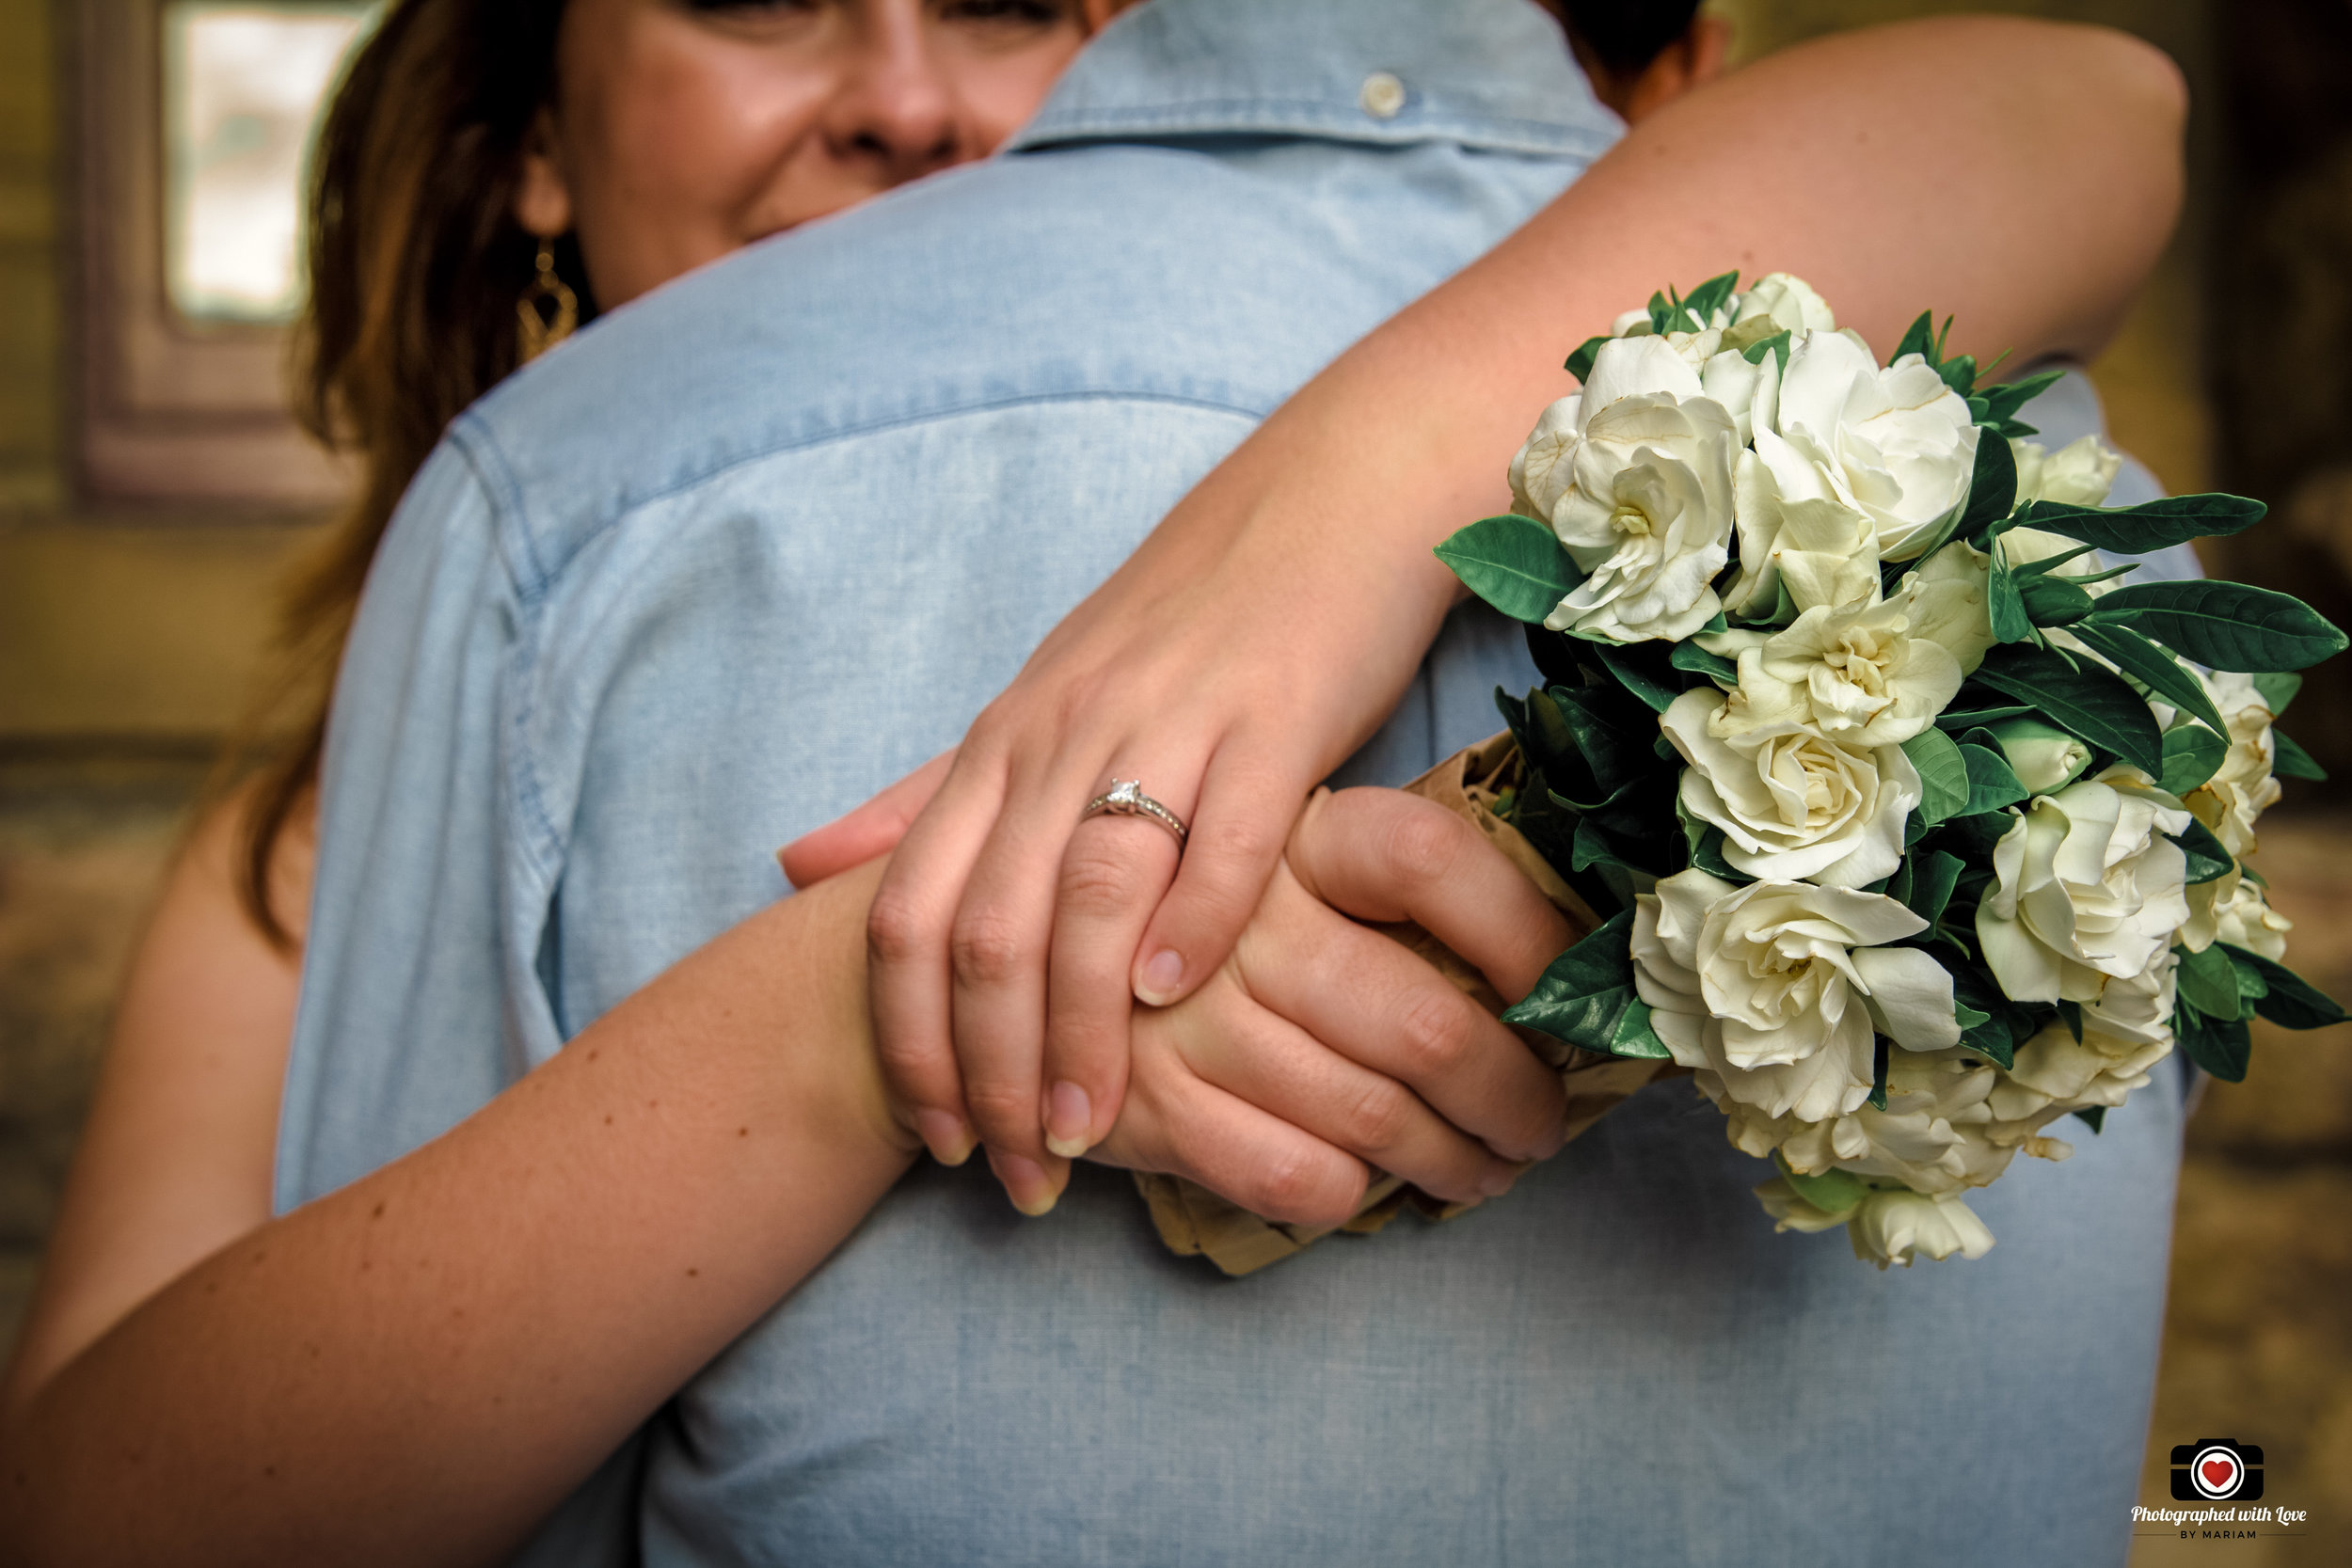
column 170, row 410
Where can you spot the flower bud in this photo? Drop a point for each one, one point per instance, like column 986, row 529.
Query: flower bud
column 2044, row 757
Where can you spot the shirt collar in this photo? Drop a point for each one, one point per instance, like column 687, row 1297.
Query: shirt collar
column 1494, row 74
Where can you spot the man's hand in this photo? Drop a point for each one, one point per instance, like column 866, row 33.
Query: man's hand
column 1321, row 1050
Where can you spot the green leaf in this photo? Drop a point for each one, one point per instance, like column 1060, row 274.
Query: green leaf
column 1585, row 994
column 2005, row 604
column 1775, row 344
column 2051, row 601
column 2153, row 667
column 2070, row 1014
column 1579, row 364
column 1546, row 737
column 2224, row 626
column 2088, row 702
column 2288, row 1000
column 1698, row 661
column 1878, row 1076
column 2207, row 859
column 2049, row 563
column 2151, row 526
column 1994, row 1041
column 1932, row 878
column 2192, row 753
column 1639, row 674
column 1712, row 295
column 2094, row 1117
column 1920, row 338
column 2220, row 1046
column 1513, row 562
column 1960, row 720
column 1613, row 743
column 1942, row 775
column 1992, row 488
column 2002, row 401
column 2277, row 689
column 2209, row 982
column 1991, row 782
column 1833, row 1191
column 2292, row 761
column 1633, row 1036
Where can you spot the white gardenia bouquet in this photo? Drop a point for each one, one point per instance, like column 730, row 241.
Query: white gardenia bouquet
column 1922, row 826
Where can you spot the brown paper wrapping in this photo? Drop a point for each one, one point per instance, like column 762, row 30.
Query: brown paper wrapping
column 1192, row 1220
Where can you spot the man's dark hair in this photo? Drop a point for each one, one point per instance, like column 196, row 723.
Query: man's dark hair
column 1627, row 35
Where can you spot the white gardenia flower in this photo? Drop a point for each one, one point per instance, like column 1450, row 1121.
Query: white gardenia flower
column 1775, row 992
column 2232, row 909
column 1892, row 1226
column 1857, row 674
column 1797, row 531
column 1790, row 301
column 2044, row 757
column 1897, row 443
column 1749, row 390
column 1634, row 476
column 2124, row 1038
column 1951, row 601
column 2087, row 889
column 1793, row 804
column 1933, row 1136
column 2242, row 788
column 2079, row 473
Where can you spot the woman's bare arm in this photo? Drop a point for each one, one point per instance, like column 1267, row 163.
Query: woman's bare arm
column 416, row 1367
column 2022, row 175
column 174, row 1159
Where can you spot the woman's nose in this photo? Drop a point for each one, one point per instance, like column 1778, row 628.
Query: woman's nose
column 895, row 107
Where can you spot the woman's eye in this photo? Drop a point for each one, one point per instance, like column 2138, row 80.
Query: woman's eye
column 748, row 7
column 1025, row 13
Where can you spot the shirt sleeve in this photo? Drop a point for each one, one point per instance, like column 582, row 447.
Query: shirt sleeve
column 409, row 1019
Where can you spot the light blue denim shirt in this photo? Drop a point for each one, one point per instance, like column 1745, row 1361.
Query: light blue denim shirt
column 748, row 549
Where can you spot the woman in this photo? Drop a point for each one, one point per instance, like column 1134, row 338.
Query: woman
column 777, row 1278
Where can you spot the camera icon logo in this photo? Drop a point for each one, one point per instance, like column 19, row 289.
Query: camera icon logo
column 2217, row 1470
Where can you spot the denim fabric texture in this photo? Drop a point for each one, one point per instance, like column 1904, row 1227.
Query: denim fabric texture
column 744, row 551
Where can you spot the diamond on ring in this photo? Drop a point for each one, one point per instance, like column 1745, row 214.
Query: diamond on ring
column 1127, row 798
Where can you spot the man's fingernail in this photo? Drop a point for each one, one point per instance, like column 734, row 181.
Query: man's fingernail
column 1026, row 1183
column 1069, row 1118
column 1497, row 1178
column 944, row 1134
column 1162, row 973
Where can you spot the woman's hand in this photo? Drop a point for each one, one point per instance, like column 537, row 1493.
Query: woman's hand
column 1221, row 696
column 1270, row 622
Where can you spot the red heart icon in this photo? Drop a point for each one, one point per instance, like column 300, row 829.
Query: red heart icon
column 2218, row 1472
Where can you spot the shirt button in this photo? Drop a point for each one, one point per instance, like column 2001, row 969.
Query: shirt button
column 1382, row 96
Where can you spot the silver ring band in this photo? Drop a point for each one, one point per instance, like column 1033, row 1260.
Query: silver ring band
column 1127, row 799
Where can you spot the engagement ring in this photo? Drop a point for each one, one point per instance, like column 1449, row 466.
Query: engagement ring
column 1127, row 799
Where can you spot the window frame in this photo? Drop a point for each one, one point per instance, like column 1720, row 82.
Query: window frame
column 170, row 409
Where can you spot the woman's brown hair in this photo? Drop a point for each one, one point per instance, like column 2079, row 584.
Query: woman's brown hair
column 416, row 265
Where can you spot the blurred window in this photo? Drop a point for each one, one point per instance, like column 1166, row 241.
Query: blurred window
column 243, row 86
column 197, row 121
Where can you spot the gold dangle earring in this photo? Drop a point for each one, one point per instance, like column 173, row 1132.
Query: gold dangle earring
column 548, row 309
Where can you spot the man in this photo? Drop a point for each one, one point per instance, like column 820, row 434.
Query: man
column 747, row 551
